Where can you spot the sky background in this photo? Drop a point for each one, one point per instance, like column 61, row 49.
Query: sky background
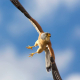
column 59, row 17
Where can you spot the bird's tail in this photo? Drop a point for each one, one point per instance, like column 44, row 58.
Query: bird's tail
column 47, row 60
column 50, row 66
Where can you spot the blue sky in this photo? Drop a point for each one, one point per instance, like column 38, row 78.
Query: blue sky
column 59, row 17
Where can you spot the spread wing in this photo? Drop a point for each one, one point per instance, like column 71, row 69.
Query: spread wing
column 33, row 21
column 55, row 72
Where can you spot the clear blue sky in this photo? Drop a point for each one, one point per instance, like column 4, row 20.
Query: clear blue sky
column 59, row 17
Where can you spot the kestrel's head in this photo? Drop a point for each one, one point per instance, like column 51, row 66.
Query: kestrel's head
column 45, row 36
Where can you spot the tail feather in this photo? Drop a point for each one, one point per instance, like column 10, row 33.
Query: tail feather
column 47, row 60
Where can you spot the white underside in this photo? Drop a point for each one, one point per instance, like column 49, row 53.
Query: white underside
column 35, row 26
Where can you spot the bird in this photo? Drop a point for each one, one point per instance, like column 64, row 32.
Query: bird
column 43, row 42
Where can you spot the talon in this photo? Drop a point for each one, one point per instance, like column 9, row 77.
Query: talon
column 31, row 55
column 30, row 47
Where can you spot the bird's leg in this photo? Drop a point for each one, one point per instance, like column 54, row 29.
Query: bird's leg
column 38, row 51
column 30, row 47
column 31, row 55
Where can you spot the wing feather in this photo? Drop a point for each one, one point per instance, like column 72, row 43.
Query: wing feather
column 51, row 50
column 23, row 10
column 36, row 25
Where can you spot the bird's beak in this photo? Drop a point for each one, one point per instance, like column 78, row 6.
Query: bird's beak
column 49, row 35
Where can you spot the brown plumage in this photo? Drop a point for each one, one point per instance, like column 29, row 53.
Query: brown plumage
column 42, row 45
column 43, row 42
column 35, row 24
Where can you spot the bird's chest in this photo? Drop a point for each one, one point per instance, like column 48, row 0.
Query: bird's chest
column 42, row 43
